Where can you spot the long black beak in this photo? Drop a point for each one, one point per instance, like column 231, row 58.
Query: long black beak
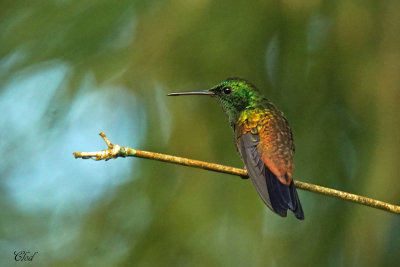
column 202, row 92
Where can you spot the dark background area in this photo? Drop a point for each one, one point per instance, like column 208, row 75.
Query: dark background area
column 70, row 69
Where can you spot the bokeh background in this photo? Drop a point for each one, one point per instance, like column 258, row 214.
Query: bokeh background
column 70, row 69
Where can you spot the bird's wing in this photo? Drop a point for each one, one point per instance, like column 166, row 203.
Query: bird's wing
column 247, row 147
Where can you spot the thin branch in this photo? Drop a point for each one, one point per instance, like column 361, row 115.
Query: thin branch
column 115, row 151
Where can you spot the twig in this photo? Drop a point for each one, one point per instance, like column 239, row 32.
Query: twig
column 115, row 151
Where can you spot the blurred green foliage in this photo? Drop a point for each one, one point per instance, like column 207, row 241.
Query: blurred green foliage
column 331, row 66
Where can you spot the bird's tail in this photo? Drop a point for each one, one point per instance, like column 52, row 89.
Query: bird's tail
column 297, row 209
column 283, row 197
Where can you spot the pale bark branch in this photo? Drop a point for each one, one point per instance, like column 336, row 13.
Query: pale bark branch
column 115, row 151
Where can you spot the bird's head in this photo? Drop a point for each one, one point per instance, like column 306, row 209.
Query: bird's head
column 234, row 95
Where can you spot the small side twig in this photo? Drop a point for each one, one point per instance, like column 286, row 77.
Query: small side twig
column 115, row 151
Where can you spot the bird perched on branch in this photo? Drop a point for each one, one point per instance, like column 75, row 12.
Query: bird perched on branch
column 263, row 139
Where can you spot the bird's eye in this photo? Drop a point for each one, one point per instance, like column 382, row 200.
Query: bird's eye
column 227, row 90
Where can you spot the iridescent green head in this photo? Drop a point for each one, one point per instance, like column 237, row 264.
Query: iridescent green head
column 234, row 95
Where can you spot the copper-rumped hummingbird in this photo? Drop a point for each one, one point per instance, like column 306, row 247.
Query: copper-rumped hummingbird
column 263, row 139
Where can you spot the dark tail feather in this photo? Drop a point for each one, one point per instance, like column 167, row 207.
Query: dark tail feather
column 283, row 197
column 297, row 209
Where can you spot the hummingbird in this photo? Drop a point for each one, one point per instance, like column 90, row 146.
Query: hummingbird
column 263, row 139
